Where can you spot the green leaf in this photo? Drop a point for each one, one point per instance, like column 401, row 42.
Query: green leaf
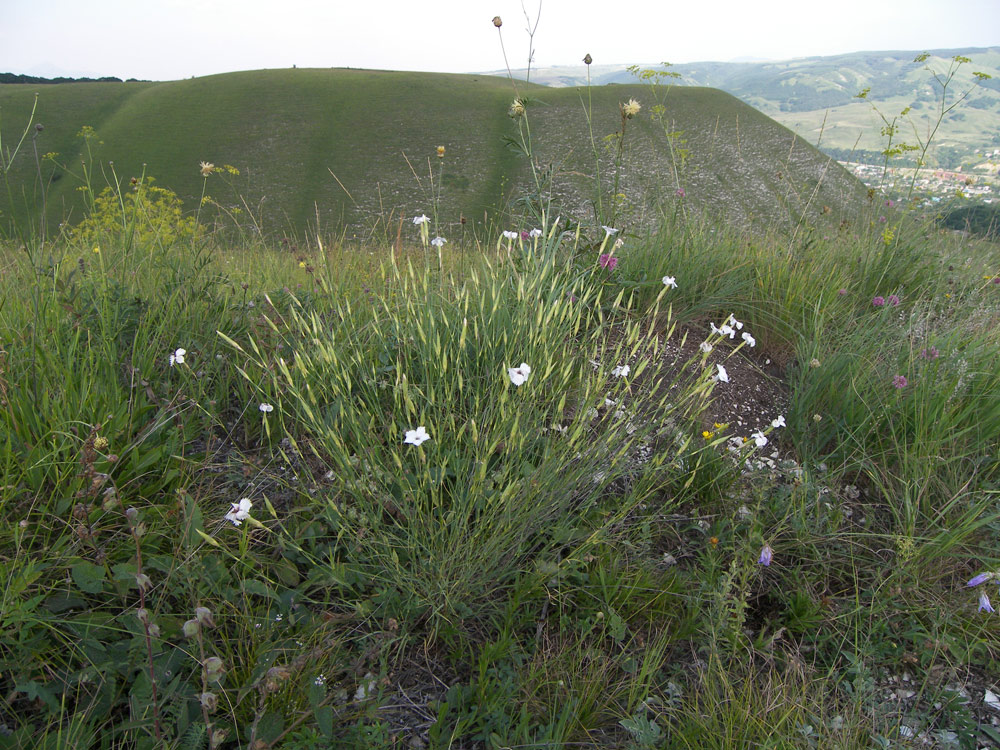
column 253, row 586
column 324, row 719
column 88, row 577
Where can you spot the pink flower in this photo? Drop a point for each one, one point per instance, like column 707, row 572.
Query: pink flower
column 842, row 292
column 878, row 301
column 893, row 300
column 929, row 353
column 608, row 261
column 525, row 234
column 680, row 193
column 899, row 381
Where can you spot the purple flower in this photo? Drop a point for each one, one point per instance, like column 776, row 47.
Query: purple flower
column 893, row 300
column 881, row 219
column 929, row 353
column 996, row 279
column 878, row 301
column 525, row 234
column 984, row 602
column 608, row 261
column 890, row 203
column 899, row 381
column 680, row 193
column 842, row 292
column 766, row 555
column 981, row 578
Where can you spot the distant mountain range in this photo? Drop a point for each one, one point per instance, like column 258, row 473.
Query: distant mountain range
column 816, row 96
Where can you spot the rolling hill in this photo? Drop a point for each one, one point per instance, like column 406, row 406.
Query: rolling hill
column 289, row 131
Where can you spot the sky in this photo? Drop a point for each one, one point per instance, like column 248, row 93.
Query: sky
column 174, row 39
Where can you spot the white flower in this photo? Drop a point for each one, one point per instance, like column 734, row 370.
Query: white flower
column 510, row 235
column 631, row 109
column 438, row 241
column 422, row 219
column 519, row 374
column 723, row 375
column 705, row 347
column 608, row 402
column 760, row 438
column 266, row 408
column 239, row 512
column 726, row 330
column 749, row 339
column 779, row 422
column 734, row 322
column 417, row 436
column 608, row 231
column 535, row 233
column 621, row 371
column 670, row 281
column 177, row 358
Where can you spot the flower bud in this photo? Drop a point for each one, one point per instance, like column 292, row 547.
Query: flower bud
column 153, row 629
column 587, row 59
column 497, row 22
column 143, row 582
column 131, row 514
column 204, row 616
column 191, row 628
column 214, row 668
column 143, row 614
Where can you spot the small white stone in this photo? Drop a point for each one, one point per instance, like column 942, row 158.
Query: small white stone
column 990, row 700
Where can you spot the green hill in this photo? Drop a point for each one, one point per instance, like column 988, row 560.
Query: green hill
column 287, row 130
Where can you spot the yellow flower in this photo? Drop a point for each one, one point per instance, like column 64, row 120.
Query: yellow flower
column 96, row 250
column 207, row 168
column 440, row 152
column 721, row 425
column 516, row 108
column 631, row 109
column 707, row 435
column 302, row 264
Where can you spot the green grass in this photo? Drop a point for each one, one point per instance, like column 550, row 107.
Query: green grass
column 573, row 557
column 505, row 581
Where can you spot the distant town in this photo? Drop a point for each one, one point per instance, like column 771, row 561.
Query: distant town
column 979, row 182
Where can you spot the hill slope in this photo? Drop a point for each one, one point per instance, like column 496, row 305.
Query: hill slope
column 807, row 92
column 287, row 130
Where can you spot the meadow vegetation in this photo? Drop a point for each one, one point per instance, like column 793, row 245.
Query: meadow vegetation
column 559, row 485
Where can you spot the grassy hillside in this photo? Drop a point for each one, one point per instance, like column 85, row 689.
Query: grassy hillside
column 287, row 130
column 804, row 93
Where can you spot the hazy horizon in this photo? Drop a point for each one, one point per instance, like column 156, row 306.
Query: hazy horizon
column 177, row 39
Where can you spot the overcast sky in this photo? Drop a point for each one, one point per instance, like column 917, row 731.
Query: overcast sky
column 172, row 39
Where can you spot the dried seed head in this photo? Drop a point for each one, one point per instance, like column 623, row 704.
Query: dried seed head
column 497, row 22
column 204, row 616
column 587, row 59
column 209, row 701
